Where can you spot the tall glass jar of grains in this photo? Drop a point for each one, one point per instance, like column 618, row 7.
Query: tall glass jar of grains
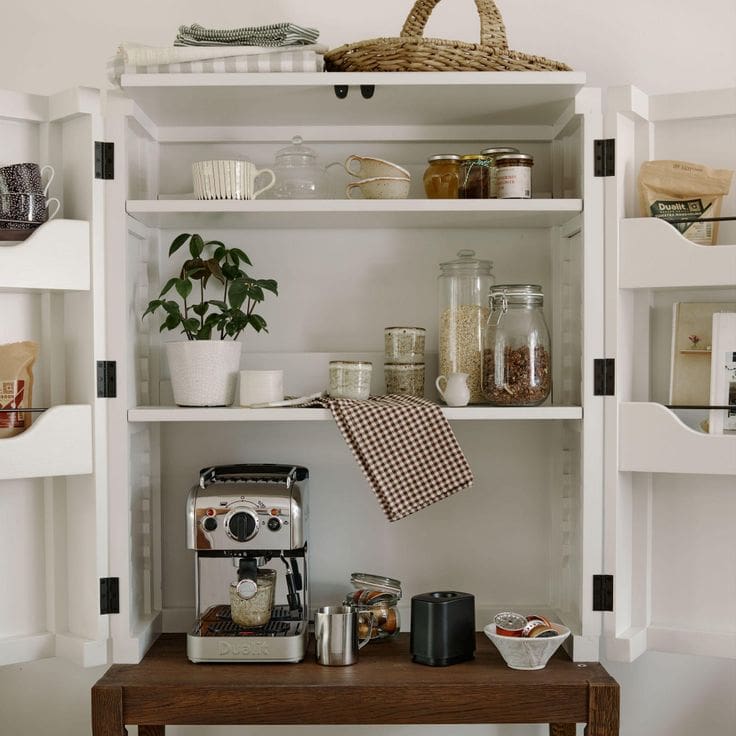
column 463, row 292
column 517, row 363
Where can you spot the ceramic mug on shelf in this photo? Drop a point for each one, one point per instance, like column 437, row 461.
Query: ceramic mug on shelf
column 26, row 178
column 380, row 187
column 228, row 179
column 25, row 209
column 368, row 167
column 261, row 387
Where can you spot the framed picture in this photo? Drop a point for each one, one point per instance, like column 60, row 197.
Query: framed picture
column 723, row 373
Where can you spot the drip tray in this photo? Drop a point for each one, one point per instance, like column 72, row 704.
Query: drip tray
column 216, row 621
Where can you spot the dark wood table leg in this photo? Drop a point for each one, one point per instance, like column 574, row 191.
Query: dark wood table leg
column 151, row 730
column 603, row 710
column 561, row 729
column 107, row 711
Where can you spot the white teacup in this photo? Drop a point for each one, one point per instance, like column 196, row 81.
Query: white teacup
column 261, row 387
column 380, row 187
column 369, row 166
column 233, row 179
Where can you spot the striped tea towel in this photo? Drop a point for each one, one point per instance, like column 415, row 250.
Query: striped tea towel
column 405, row 447
column 276, row 61
column 276, row 34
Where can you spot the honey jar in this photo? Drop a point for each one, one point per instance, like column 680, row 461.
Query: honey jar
column 375, row 599
column 442, row 176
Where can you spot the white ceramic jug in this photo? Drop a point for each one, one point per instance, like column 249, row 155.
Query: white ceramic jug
column 456, row 391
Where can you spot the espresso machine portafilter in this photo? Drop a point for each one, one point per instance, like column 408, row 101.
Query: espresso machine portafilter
column 247, row 526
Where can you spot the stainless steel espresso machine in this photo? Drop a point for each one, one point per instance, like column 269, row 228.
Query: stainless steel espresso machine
column 247, row 524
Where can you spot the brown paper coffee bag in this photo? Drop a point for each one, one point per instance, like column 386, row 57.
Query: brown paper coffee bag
column 16, row 386
column 674, row 190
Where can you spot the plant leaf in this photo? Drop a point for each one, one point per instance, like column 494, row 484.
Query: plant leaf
column 200, row 309
column 231, row 272
column 219, row 304
column 196, row 245
column 240, row 255
column 214, row 268
column 237, row 294
column 172, row 321
column 215, row 242
column 184, row 287
column 191, row 324
column 269, row 285
column 171, row 307
column 177, row 243
column 205, row 332
column 220, row 252
column 257, row 322
column 168, row 285
column 255, row 293
column 152, row 307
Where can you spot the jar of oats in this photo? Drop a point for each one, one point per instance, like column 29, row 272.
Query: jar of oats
column 464, row 284
column 517, row 359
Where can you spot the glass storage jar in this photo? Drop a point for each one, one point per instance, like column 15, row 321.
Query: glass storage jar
column 299, row 175
column 463, row 292
column 375, row 599
column 475, row 180
column 517, row 358
column 513, row 175
column 493, row 154
column 442, row 176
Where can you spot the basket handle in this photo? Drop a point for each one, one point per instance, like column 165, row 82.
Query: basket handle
column 492, row 29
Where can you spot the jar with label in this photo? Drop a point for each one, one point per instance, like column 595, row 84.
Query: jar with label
column 517, row 358
column 474, row 177
column 375, row 599
column 492, row 154
column 463, row 292
column 442, row 176
column 514, row 175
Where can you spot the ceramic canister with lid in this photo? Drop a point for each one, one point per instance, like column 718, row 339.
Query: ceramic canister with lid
column 463, row 285
column 517, row 357
column 376, row 599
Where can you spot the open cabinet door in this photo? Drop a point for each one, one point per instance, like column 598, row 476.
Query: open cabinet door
column 53, row 476
column 670, row 487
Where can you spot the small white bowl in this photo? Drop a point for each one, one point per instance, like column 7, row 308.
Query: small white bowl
column 522, row 653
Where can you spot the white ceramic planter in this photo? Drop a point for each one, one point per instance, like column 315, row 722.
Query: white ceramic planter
column 204, row 372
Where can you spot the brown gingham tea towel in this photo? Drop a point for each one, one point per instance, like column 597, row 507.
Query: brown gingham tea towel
column 406, row 449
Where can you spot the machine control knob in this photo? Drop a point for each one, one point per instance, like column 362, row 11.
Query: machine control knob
column 242, row 525
column 210, row 523
column 274, row 524
column 246, row 589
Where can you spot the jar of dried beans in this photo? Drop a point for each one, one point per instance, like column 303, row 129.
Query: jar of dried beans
column 463, row 288
column 517, row 360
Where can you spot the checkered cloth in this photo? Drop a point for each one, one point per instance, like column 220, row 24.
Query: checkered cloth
column 406, row 449
column 276, row 34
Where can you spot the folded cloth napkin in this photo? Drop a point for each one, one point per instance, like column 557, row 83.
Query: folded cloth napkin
column 276, row 34
column 136, row 54
column 405, row 447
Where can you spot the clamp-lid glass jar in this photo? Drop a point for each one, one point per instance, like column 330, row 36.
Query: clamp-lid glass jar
column 442, row 176
column 463, row 290
column 517, row 358
column 375, row 599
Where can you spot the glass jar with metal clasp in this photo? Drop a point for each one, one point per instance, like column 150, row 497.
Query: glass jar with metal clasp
column 375, row 599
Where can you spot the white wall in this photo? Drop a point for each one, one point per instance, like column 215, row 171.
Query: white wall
column 659, row 45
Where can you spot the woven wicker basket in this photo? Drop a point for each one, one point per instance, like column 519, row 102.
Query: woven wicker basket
column 412, row 52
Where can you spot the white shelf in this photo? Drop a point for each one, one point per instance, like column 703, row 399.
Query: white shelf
column 340, row 214
column 655, row 255
column 58, row 442
column 56, row 257
column 507, row 98
column 293, row 414
column 652, row 439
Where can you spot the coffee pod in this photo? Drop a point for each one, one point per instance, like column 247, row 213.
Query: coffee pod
column 509, row 623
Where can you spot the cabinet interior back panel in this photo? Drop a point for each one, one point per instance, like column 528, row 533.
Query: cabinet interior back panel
column 693, row 553
column 494, row 539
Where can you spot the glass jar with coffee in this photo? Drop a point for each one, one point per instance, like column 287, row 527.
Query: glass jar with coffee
column 376, row 599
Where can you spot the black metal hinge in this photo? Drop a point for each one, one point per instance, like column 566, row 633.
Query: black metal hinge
column 603, row 592
column 604, row 376
column 366, row 90
column 604, row 153
column 109, row 595
column 104, row 160
column 107, row 385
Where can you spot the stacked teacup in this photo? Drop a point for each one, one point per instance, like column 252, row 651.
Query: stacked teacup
column 376, row 178
column 404, row 366
column 23, row 201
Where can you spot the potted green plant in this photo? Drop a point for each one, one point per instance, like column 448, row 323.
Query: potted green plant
column 204, row 367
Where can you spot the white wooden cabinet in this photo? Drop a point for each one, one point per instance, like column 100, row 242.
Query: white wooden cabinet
column 564, row 492
column 53, row 479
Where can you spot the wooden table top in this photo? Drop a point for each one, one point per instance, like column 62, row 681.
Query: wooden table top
column 384, row 687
